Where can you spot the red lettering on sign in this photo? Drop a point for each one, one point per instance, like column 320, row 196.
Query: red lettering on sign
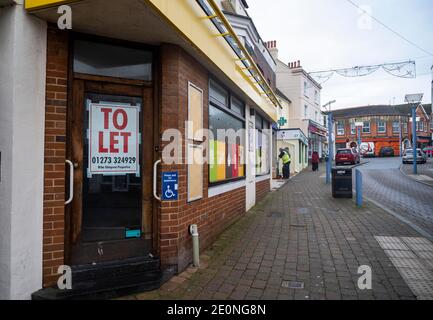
column 116, row 119
column 114, row 142
column 101, row 143
column 106, row 112
column 125, row 136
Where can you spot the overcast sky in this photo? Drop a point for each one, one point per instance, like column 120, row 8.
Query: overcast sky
column 325, row 34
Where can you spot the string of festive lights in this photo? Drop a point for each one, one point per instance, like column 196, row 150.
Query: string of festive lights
column 404, row 69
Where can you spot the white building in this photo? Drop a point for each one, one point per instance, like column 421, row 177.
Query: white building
column 304, row 92
column 243, row 25
column 288, row 137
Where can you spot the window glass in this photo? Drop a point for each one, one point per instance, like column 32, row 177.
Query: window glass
column 340, row 128
column 262, row 153
column 395, row 127
column 344, row 152
column 110, row 60
column 352, row 128
column 262, row 147
column 366, row 127
column 237, row 106
column 218, row 94
column 259, row 122
column 381, row 126
column 226, row 154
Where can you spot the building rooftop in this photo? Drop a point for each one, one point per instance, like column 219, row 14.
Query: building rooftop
column 378, row 110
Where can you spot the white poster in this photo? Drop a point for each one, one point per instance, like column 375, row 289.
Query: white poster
column 113, row 139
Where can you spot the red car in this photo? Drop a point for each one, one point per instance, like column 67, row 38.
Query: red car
column 347, row 156
column 428, row 151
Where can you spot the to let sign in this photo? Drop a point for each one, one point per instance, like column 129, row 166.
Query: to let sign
column 113, row 139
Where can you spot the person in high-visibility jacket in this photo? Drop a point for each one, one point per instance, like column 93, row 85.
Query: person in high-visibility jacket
column 286, row 158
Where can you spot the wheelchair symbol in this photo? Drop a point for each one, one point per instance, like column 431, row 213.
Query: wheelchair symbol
column 169, row 193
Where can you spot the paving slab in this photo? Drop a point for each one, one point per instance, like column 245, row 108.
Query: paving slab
column 315, row 240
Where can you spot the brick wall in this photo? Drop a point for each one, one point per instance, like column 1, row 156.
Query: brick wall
column 385, row 139
column 212, row 215
column 262, row 188
column 55, row 152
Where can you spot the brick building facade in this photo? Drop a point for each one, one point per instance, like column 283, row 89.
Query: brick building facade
column 382, row 126
column 118, row 228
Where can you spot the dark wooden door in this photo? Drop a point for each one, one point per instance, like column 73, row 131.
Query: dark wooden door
column 110, row 143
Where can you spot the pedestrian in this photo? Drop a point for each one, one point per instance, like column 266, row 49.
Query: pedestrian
column 315, row 160
column 286, row 158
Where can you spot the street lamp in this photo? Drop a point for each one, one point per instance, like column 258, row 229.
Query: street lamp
column 330, row 142
column 414, row 100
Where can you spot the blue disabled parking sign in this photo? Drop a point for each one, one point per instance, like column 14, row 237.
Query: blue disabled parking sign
column 170, row 186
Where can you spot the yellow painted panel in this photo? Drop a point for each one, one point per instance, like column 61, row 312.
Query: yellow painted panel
column 188, row 18
column 38, row 4
column 221, row 160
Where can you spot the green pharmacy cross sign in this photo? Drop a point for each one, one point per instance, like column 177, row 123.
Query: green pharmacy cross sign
column 282, row 121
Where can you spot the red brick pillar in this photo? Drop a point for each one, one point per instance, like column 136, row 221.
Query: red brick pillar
column 55, row 152
column 169, row 218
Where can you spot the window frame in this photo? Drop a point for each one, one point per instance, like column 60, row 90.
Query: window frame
column 364, row 126
column 83, row 37
column 228, row 111
column 353, row 128
column 260, row 130
column 340, row 122
column 378, row 123
column 394, row 125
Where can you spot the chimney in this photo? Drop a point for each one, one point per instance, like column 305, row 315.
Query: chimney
column 272, row 48
column 295, row 64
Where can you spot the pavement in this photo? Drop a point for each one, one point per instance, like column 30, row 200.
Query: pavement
column 301, row 244
column 385, row 184
column 425, row 172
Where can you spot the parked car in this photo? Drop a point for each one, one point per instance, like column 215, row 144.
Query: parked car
column 408, row 156
column 428, row 151
column 347, row 156
column 386, row 152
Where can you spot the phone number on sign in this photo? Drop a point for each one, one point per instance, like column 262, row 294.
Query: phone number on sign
column 114, row 160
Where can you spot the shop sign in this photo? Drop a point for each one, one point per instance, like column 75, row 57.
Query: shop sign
column 292, row 135
column 113, row 139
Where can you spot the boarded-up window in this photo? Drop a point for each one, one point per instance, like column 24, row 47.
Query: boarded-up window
column 195, row 172
column 195, row 112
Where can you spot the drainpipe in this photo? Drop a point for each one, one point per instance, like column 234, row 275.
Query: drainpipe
column 193, row 230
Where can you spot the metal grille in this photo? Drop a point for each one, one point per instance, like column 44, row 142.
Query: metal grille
column 293, row 284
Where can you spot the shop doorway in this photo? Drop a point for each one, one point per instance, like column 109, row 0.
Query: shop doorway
column 111, row 147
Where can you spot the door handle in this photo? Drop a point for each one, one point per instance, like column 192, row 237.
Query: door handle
column 71, row 182
column 155, row 175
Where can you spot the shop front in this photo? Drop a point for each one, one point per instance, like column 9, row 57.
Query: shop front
column 130, row 106
column 297, row 143
column 317, row 139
